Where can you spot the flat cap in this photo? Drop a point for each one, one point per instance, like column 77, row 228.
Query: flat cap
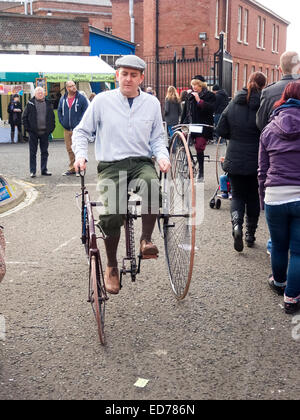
column 131, row 61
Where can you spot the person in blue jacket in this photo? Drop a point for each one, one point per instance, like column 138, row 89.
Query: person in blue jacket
column 70, row 111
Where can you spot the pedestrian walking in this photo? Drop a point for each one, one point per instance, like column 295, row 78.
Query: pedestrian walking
column 39, row 122
column 199, row 109
column 14, row 110
column 70, row 111
column 222, row 100
column 279, row 188
column 238, row 124
column 172, row 109
column 183, row 97
column 290, row 69
column 129, row 131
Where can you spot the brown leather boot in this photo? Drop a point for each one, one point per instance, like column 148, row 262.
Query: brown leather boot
column 148, row 249
column 112, row 280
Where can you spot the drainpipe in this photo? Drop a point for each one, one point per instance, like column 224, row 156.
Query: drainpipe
column 157, row 47
column 131, row 20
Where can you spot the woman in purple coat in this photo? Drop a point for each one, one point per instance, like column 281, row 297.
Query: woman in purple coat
column 279, row 187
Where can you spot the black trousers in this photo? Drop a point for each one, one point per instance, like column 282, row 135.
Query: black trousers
column 245, row 198
column 34, row 140
column 12, row 128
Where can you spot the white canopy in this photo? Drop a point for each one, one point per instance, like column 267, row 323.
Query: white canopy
column 58, row 67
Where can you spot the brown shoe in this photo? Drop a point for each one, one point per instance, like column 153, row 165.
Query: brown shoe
column 148, row 249
column 111, row 280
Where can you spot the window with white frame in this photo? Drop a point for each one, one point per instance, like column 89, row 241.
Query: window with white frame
column 245, row 75
column 258, row 38
column 240, row 16
column 275, row 38
column 236, row 77
column 252, row 69
column 263, row 31
column 108, row 29
column 246, row 19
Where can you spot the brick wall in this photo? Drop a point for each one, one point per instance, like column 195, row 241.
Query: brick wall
column 248, row 53
column 99, row 16
column 180, row 23
column 21, row 29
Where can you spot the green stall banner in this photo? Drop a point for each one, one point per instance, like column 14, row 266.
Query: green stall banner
column 103, row 78
column 79, row 77
column 56, row 77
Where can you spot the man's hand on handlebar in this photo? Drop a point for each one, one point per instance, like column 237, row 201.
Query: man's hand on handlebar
column 80, row 165
column 164, row 165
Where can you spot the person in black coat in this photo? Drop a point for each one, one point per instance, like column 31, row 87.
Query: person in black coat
column 238, row 124
column 39, row 122
column 14, row 110
column 199, row 109
column 222, row 100
column 172, row 109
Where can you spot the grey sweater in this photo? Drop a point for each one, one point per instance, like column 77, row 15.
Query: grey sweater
column 41, row 115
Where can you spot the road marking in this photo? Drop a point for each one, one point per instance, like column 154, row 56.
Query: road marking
column 64, row 244
column 33, row 185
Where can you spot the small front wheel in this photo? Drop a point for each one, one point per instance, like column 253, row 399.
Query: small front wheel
column 212, row 203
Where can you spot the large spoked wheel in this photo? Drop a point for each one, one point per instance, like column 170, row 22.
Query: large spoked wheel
column 180, row 216
column 220, row 155
column 97, row 295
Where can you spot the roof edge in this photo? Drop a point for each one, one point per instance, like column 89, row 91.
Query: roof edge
column 107, row 35
column 266, row 9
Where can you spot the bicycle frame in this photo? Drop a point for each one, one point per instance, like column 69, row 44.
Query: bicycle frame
column 130, row 242
column 86, row 209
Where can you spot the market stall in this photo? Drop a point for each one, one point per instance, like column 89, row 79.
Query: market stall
column 51, row 72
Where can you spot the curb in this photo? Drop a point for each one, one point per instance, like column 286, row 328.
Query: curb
column 18, row 196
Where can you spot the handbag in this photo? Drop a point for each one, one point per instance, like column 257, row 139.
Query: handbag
column 2, row 254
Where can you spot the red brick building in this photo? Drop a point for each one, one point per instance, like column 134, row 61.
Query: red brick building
column 97, row 11
column 43, row 34
column 254, row 35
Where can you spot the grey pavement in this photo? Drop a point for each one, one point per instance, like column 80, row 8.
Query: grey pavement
column 228, row 339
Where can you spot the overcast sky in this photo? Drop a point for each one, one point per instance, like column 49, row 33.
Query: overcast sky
column 289, row 10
